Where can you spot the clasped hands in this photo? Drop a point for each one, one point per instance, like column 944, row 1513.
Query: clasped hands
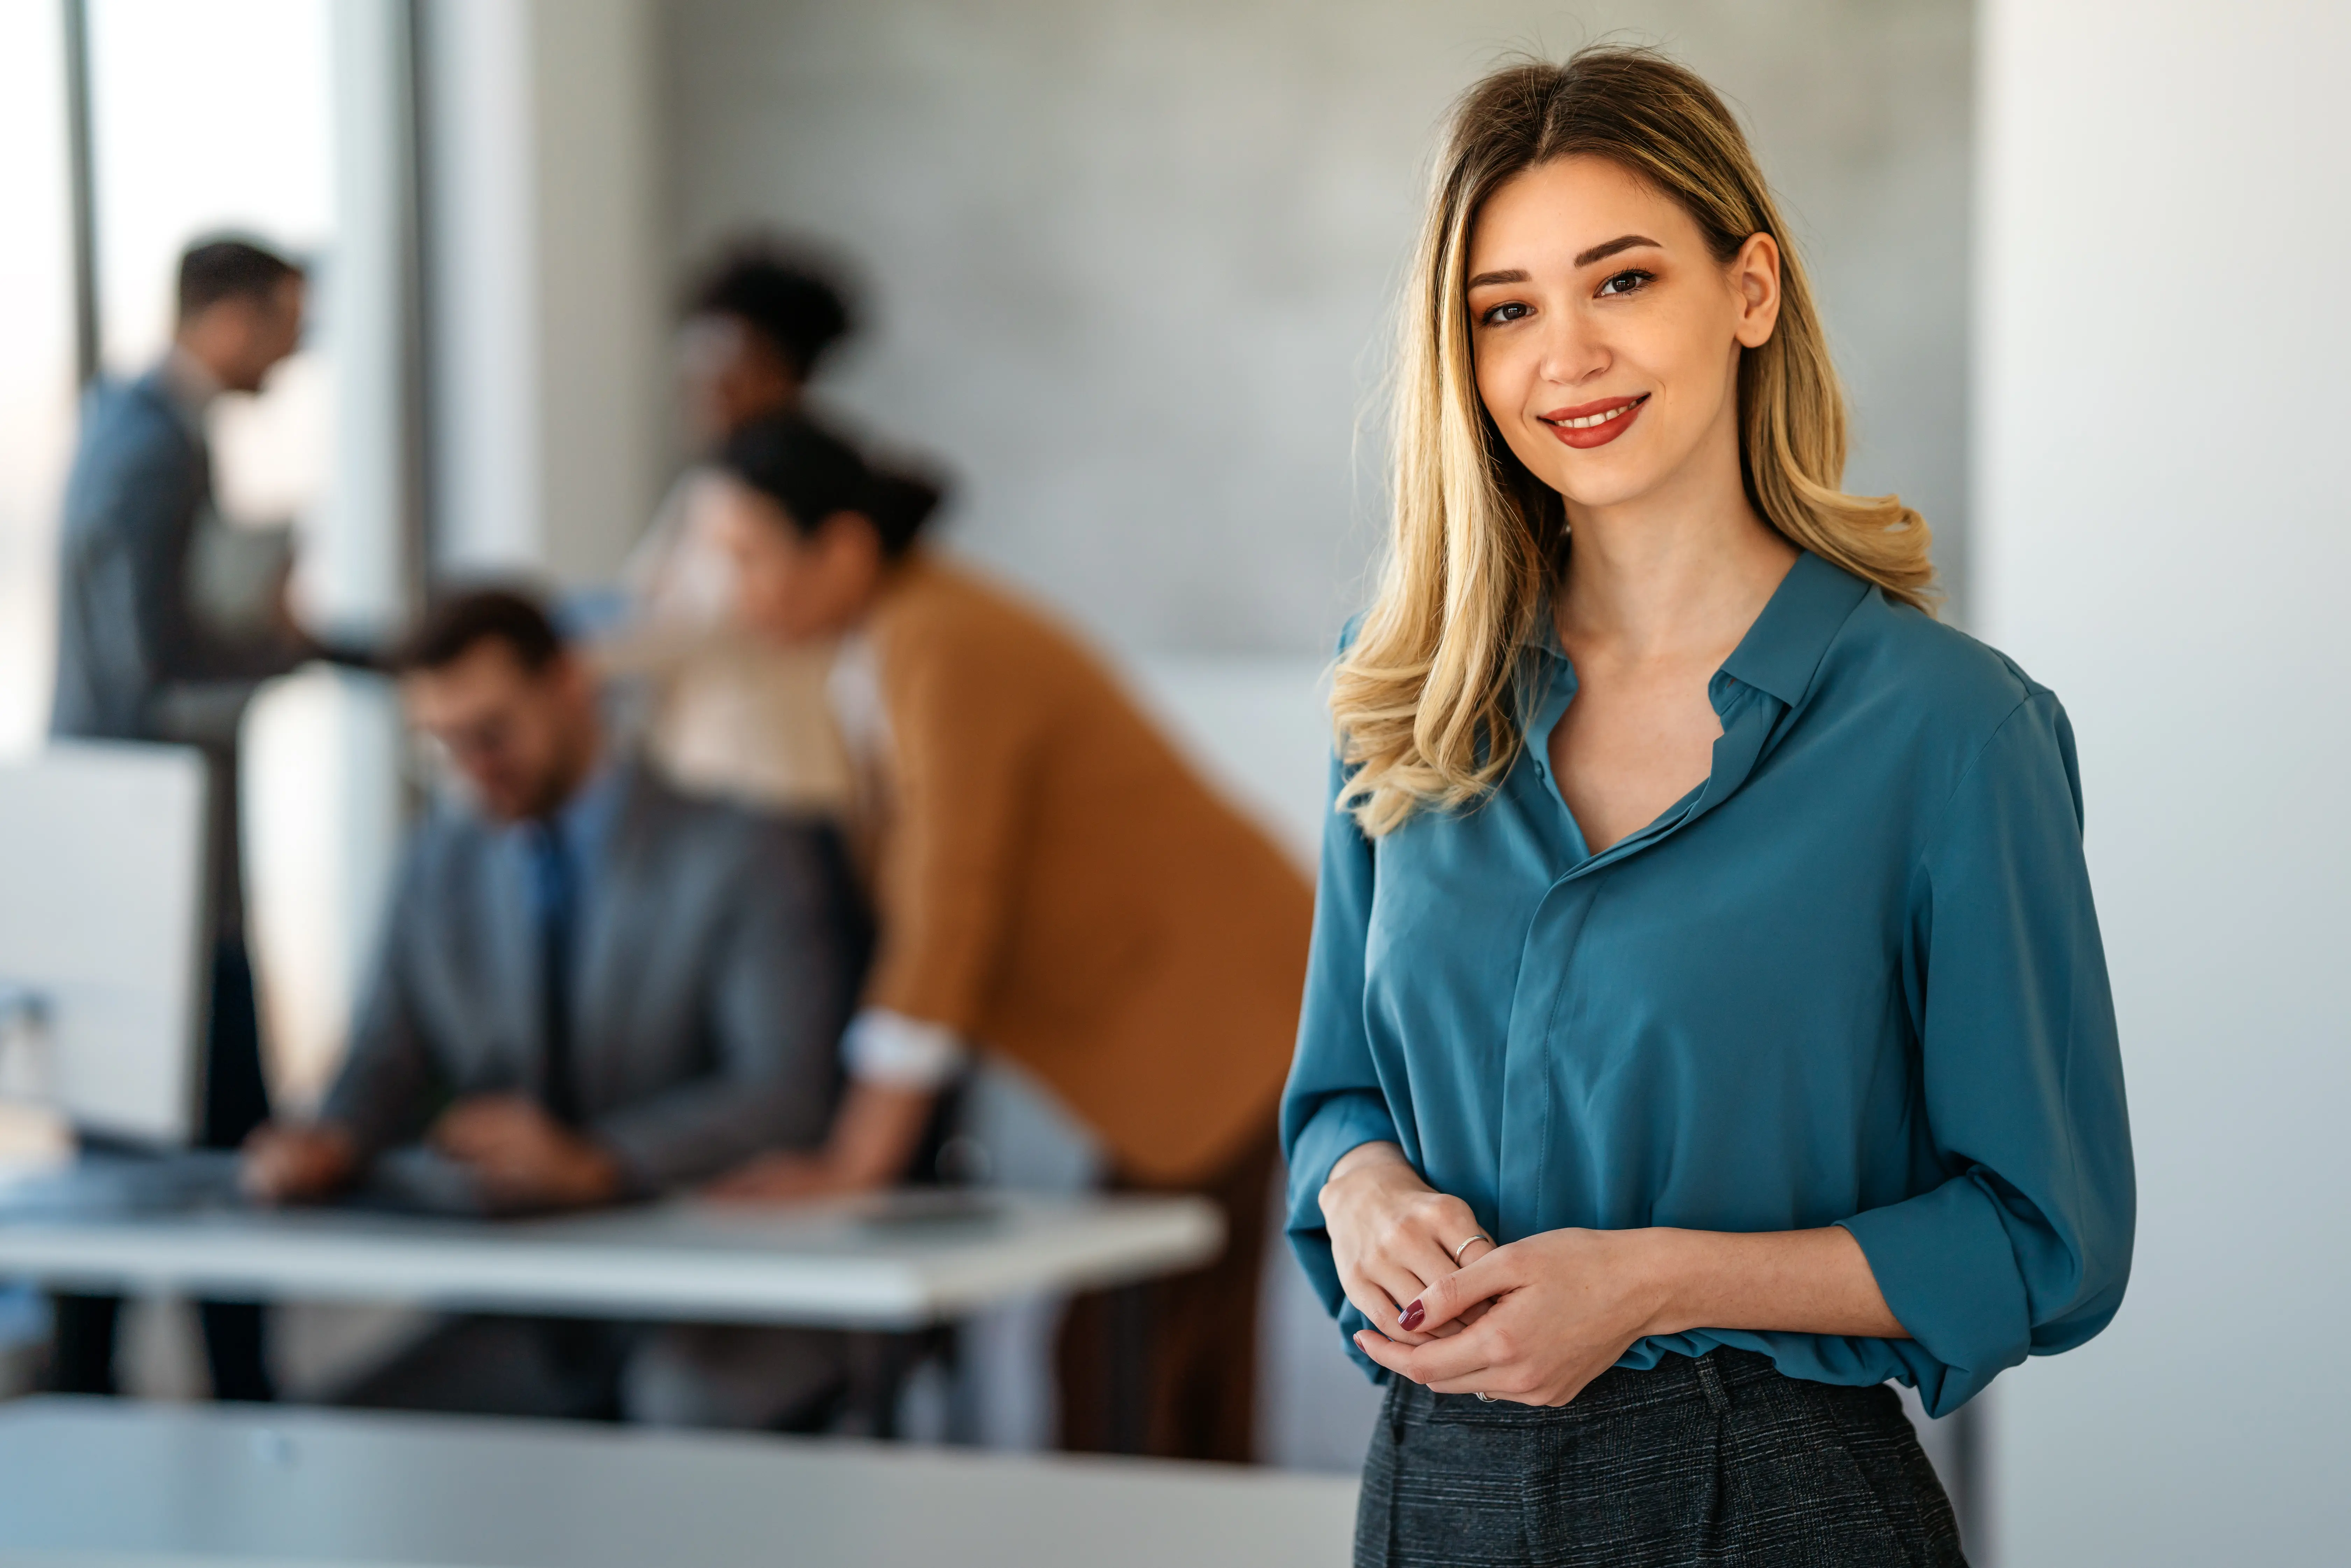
column 518, row 1155
column 1537, row 1320
column 1532, row 1321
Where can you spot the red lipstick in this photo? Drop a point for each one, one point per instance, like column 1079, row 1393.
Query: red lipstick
column 1590, row 425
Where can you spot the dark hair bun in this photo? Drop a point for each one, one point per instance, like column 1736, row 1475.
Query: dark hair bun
column 812, row 473
column 800, row 305
column 900, row 504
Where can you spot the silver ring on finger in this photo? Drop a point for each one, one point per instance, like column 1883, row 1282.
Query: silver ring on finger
column 1483, row 1398
column 1481, row 1236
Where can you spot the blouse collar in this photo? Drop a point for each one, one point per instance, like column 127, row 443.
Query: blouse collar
column 1785, row 645
column 1783, row 649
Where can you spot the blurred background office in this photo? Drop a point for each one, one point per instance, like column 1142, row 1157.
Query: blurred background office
column 1125, row 269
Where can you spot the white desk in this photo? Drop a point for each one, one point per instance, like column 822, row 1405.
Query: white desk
column 873, row 1264
column 101, row 1481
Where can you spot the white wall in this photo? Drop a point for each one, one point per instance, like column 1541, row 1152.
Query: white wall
column 547, row 306
column 355, row 565
column 481, row 326
column 2164, row 533
column 1130, row 264
column 604, row 300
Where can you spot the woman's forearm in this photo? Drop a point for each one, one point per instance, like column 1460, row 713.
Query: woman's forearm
column 875, row 1132
column 1796, row 1281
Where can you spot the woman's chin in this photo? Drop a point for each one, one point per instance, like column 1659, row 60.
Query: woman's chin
column 1597, row 484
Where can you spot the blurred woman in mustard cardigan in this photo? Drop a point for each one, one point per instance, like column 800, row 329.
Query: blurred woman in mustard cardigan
column 1052, row 884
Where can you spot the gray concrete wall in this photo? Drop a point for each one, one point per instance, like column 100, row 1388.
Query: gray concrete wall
column 1130, row 262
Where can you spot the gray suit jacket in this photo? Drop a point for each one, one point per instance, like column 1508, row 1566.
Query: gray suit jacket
column 718, row 964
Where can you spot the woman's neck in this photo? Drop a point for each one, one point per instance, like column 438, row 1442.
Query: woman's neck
column 892, row 574
column 854, row 611
column 1679, row 572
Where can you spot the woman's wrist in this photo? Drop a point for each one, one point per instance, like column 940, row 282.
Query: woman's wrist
column 1366, row 1168
column 1364, row 1157
column 1670, row 1270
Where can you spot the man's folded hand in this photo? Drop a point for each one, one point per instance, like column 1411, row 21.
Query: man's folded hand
column 283, row 1163
column 520, row 1155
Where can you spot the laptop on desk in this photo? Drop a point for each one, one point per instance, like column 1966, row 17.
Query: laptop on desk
column 119, row 1184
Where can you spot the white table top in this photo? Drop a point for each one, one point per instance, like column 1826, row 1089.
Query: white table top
column 868, row 1264
column 97, row 1481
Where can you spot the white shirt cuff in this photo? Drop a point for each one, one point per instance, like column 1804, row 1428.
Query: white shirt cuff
column 884, row 1047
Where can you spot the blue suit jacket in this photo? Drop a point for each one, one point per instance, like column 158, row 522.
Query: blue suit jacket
column 135, row 660
column 140, row 488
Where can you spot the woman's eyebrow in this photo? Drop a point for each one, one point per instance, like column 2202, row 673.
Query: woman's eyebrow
column 1597, row 253
column 1622, row 242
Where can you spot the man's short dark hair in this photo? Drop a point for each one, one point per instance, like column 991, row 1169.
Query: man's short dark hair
column 798, row 305
column 453, row 627
column 213, row 271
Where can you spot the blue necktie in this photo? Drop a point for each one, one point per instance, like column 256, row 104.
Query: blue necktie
column 558, row 899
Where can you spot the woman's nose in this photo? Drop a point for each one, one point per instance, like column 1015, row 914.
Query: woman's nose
column 1570, row 352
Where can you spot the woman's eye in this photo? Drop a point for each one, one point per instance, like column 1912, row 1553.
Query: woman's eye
column 1496, row 315
column 1625, row 282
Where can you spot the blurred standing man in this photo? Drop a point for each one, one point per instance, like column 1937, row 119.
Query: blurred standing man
column 138, row 659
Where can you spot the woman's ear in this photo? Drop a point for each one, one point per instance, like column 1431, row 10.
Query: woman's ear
column 1755, row 276
column 854, row 561
column 852, row 536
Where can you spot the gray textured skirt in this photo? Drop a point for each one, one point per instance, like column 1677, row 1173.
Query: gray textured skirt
column 1719, row 1460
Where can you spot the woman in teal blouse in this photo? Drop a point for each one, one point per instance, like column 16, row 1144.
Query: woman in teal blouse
column 1707, row 1020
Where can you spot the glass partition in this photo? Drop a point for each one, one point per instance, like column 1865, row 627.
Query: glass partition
column 37, row 365
column 211, row 116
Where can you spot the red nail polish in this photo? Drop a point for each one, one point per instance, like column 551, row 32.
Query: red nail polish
column 1413, row 1317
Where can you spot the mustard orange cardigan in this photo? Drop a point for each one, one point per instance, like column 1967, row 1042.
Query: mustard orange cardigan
column 1056, row 884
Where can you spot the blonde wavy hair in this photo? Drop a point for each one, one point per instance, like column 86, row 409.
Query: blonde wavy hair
column 1422, row 698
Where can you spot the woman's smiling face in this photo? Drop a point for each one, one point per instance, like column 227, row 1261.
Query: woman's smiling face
column 1607, row 335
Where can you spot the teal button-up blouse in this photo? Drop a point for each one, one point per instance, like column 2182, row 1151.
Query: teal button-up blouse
column 1853, row 978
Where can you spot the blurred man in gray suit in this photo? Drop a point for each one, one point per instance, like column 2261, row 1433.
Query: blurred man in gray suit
column 141, row 656
column 591, row 988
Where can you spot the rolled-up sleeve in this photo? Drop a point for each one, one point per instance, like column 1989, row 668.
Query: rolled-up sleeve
column 2025, row 1248
column 1334, row 1102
